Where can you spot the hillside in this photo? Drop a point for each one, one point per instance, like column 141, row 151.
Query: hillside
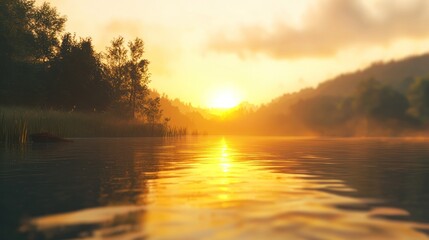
column 397, row 74
column 383, row 99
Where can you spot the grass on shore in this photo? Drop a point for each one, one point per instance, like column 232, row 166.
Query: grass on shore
column 16, row 124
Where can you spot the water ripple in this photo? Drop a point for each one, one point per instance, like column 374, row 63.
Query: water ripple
column 221, row 188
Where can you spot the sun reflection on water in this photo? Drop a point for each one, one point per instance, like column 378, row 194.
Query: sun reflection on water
column 220, row 191
column 224, row 195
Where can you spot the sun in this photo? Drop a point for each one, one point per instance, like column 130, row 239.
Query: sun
column 224, row 99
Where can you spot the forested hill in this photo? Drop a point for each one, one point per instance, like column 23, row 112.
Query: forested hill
column 389, row 98
column 397, row 74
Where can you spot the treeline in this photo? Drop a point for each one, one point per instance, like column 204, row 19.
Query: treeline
column 43, row 66
column 373, row 109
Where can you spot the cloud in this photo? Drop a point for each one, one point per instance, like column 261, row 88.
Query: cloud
column 157, row 39
column 330, row 27
column 129, row 29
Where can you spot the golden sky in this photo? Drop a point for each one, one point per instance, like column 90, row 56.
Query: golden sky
column 254, row 50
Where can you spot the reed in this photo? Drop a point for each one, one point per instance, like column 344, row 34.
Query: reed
column 17, row 123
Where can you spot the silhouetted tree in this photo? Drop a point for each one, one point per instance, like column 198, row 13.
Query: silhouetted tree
column 46, row 26
column 418, row 95
column 153, row 110
column 127, row 72
column 16, row 39
column 39, row 66
column 29, row 37
column 139, row 77
column 378, row 102
column 115, row 62
column 76, row 77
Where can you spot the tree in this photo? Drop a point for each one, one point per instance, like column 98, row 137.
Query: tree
column 153, row 110
column 77, row 80
column 28, row 32
column 378, row 102
column 15, row 38
column 115, row 64
column 46, row 26
column 138, row 74
column 128, row 74
column 29, row 37
column 418, row 95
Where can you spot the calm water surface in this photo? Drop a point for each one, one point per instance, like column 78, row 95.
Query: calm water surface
column 216, row 188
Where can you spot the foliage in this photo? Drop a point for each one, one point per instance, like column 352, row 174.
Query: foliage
column 28, row 32
column 42, row 67
column 127, row 72
column 374, row 108
column 138, row 78
column 29, row 38
column 115, row 64
column 76, row 77
column 379, row 102
column 153, row 110
column 46, row 26
column 418, row 95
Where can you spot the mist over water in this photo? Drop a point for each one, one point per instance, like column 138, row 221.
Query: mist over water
column 217, row 188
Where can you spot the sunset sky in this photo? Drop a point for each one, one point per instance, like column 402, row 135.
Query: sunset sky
column 252, row 50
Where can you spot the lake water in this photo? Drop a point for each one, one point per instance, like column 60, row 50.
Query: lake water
column 216, row 188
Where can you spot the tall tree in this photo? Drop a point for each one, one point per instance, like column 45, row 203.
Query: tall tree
column 77, row 78
column 138, row 74
column 29, row 32
column 46, row 26
column 29, row 37
column 116, row 70
column 128, row 74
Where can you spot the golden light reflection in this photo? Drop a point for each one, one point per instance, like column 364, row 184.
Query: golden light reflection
column 224, row 195
column 224, row 160
column 222, row 192
column 219, row 182
column 212, row 181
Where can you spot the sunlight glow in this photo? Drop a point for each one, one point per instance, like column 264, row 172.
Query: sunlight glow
column 224, row 99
